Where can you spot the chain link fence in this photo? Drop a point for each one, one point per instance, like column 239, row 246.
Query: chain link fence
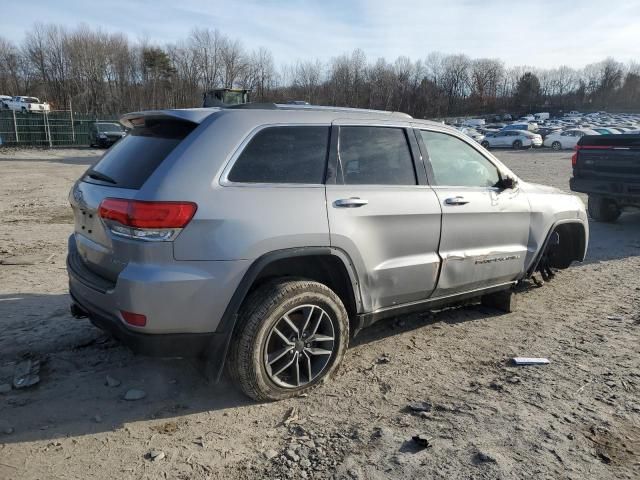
column 52, row 129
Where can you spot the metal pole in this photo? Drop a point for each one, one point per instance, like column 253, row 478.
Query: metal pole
column 47, row 129
column 73, row 130
column 15, row 126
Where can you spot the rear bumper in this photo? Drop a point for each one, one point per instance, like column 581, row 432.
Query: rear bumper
column 184, row 302
column 623, row 193
column 158, row 345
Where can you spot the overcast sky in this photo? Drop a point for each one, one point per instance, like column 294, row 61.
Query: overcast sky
column 541, row 33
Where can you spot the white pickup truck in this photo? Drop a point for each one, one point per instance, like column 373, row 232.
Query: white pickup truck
column 26, row 105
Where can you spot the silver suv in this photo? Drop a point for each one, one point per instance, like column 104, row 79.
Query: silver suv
column 263, row 237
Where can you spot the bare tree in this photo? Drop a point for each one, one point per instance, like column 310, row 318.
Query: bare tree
column 107, row 74
column 233, row 62
column 207, row 47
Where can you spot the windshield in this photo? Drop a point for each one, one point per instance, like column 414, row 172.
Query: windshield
column 233, row 98
column 108, row 127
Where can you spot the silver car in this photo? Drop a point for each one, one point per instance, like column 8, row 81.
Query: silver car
column 516, row 139
column 264, row 237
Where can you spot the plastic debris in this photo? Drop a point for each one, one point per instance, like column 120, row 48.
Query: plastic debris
column 26, row 374
column 420, row 406
column 134, row 394
column 530, row 361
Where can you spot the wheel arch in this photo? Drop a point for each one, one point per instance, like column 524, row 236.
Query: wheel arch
column 327, row 265
column 573, row 250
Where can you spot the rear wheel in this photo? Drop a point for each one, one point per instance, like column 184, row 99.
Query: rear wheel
column 291, row 337
column 603, row 209
column 485, row 144
column 517, row 145
column 556, row 145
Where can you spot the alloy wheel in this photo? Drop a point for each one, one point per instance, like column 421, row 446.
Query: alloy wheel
column 299, row 346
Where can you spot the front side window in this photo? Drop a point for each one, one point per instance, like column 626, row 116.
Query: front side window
column 456, row 163
column 295, row 154
column 375, row 156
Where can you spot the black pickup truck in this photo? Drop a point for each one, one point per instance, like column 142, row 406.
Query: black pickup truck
column 607, row 168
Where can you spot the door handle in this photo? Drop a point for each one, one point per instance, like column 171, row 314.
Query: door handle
column 459, row 200
column 352, row 202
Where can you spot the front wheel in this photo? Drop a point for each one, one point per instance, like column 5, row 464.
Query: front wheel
column 556, row 145
column 291, row 336
column 517, row 145
column 485, row 144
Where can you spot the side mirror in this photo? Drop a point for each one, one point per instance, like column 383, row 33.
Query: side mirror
column 507, row 183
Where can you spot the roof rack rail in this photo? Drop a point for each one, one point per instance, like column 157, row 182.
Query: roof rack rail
column 312, row 108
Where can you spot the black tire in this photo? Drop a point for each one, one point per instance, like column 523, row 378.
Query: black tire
column 602, row 209
column 556, row 145
column 505, row 301
column 517, row 145
column 485, row 144
column 260, row 312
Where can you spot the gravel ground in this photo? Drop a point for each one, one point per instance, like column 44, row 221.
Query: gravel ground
column 578, row 417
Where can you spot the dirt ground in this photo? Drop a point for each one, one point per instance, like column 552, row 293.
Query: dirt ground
column 578, row 417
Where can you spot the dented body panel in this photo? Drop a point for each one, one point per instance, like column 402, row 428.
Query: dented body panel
column 392, row 241
column 484, row 242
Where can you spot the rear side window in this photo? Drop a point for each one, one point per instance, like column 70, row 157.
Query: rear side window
column 283, row 155
column 131, row 161
column 375, row 156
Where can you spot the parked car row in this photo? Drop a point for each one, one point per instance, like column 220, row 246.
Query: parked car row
column 540, row 130
column 24, row 104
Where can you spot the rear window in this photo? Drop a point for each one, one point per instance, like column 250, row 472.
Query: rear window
column 131, row 161
column 283, row 155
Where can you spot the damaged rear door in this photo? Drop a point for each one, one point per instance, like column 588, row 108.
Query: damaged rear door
column 485, row 228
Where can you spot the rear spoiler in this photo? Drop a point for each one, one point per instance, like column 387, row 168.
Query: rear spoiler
column 193, row 115
column 609, row 141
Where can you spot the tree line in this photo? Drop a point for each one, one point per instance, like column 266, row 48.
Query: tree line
column 108, row 74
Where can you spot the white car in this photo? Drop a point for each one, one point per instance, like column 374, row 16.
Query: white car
column 3, row 99
column 473, row 122
column 567, row 138
column 27, row 104
column 512, row 139
column 471, row 132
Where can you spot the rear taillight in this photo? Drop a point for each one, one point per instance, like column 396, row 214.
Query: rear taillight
column 153, row 221
column 135, row 319
column 574, row 157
